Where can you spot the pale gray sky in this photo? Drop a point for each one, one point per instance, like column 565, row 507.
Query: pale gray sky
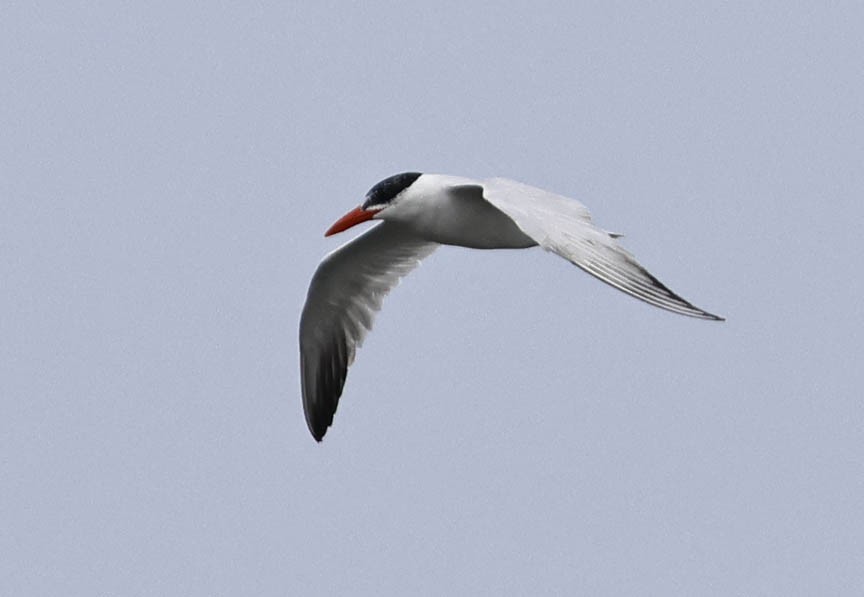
column 512, row 426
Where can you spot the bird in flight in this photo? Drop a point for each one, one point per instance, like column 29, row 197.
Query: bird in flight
column 417, row 213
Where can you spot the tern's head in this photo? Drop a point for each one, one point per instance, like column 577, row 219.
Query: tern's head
column 386, row 193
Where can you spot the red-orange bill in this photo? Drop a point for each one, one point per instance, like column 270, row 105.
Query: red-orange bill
column 352, row 218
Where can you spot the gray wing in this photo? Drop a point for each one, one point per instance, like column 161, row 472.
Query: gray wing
column 344, row 295
column 563, row 226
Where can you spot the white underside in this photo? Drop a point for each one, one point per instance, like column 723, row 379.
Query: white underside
column 450, row 216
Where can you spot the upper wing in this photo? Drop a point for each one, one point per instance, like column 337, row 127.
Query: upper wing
column 563, row 226
column 344, row 295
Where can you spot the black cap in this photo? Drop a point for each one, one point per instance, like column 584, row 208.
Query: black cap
column 385, row 191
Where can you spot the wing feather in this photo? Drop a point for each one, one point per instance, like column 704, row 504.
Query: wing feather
column 563, row 226
column 345, row 294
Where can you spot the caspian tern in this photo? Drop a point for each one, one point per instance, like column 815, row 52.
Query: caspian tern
column 418, row 213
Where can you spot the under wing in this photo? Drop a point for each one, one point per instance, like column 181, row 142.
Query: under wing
column 345, row 294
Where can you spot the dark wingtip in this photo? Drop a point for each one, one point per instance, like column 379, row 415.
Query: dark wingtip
column 318, row 428
column 330, row 379
column 318, row 420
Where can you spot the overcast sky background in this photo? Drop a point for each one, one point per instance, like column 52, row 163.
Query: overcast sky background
column 512, row 426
